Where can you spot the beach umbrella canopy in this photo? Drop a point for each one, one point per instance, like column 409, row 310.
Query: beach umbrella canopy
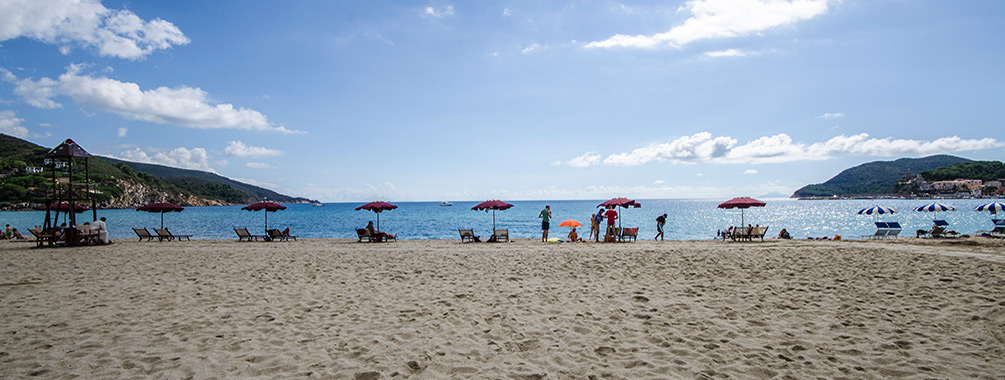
column 570, row 223
column 620, row 202
column 876, row 211
column 267, row 206
column 741, row 203
column 934, row 208
column 377, row 208
column 65, row 207
column 492, row 205
column 993, row 207
column 161, row 208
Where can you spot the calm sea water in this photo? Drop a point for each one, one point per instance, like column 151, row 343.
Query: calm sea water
column 688, row 219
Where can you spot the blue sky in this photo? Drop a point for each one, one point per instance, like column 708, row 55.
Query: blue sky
column 442, row 100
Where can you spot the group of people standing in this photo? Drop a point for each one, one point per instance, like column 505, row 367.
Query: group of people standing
column 595, row 221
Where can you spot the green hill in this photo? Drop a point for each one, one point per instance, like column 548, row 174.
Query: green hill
column 123, row 183
column 875, row 178
column 982, row 170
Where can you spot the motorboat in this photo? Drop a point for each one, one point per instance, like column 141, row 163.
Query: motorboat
column 445, row 203
column 319, row 204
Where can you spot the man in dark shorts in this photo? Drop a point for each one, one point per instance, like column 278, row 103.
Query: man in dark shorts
column 545, row 216
column 660, row 221
column 612, row 215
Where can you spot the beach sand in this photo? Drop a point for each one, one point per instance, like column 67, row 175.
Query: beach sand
column 910, row 308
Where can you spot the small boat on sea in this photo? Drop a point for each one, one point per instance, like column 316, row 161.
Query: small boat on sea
column 319, row 204
column 445, row 203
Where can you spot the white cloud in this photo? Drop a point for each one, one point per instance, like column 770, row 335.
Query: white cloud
column 87, row 23
column 181, row 157
column 240, row 149
column 10, row 124
column 725, row 53
column 704, row 148
column 531, row 48
column 267, row 185
column 259, row 165
column 714, row 19
column 750, row 171
column 584, row 160
column 835, row 115
column 506, row 12
column 122, row 131
column 659, row 182
column 182, row 106
column 441, row 12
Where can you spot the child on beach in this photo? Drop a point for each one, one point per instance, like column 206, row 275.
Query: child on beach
column 573, row 236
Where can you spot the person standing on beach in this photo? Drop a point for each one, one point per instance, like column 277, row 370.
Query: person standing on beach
column 660, row 221
column 595, row 225
column 545, row 216
column 612, row 215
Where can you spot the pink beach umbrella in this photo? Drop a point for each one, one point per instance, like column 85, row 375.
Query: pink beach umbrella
column 377, row 208
column 620, row 202
column 161, row 208
column 492, row 205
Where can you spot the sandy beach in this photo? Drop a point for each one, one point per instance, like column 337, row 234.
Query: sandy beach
column 910, row 308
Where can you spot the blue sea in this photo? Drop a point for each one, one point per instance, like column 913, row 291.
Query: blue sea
column 688, row 219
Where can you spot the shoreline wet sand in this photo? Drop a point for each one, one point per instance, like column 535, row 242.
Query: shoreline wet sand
column 327, row 308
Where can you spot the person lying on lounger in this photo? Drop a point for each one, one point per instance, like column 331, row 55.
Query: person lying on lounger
column 378, row 235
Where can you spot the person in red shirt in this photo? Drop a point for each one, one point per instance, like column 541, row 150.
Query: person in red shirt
column 611, row 216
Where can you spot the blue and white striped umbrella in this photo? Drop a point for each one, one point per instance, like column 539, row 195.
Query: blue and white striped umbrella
column 935, row 208
column 994, row 207
column 877, row 210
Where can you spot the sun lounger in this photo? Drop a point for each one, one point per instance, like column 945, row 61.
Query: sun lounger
column 277, row 235
column 86, row 236
column 467, row 235
column 882, row 230
column 742, row 233
column 143, row 234
column 501, row 235
column 895, row 229
column 363, row 233
column 243, row 234
column 625, row 233
column 758, row 232
column 164, row 234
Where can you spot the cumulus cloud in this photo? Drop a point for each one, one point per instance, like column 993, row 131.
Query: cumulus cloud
column 704, row 148
column 240, row 149
column 122, row 131
column 506, row 12
column 750, row 171
column 88, row 24
column 259, row 165
column 440, row 12
column 181, row 157
column 835, row 115
column 531, row 48
column 716, row 19
column 181, row 106
column 10, row 124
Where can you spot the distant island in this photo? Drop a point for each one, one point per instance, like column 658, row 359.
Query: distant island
column 121, row 184
column 936, row 176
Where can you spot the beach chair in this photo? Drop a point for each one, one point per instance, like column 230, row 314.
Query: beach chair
column 895, row 229
column 163, row 233
column 758, row 232
column 466, row 235
column 882, row 229
column 741, row 233
column 625, row 233
column 86, row 236
column 142, row 233
column 243, row 234
column 363, row 233
column 935, row 232
column 501, row 235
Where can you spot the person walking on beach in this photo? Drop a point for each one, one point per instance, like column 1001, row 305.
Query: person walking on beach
column 545, row 216
column 612, row 215
column 595, row 225
column 660, row 221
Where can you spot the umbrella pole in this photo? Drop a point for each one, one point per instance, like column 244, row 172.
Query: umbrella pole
column 266, row 221
column 162, row 220
column 741, row 219
column 493, row 222
column 378, row 221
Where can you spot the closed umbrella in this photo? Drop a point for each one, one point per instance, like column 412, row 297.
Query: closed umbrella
column 267, row 206
column 934, row 208
column 741, row 203
column 492, row 205
column 161, row 208
column 377, row 208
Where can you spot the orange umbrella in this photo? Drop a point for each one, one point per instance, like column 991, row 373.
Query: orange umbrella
column 570, row 223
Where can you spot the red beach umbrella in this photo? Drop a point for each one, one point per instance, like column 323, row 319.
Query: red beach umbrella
column 620, row 202
column 492, row 205
column 741, row 203
column 65, row 207
column 267, row 206
column 377, row 208
column 161, row 208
